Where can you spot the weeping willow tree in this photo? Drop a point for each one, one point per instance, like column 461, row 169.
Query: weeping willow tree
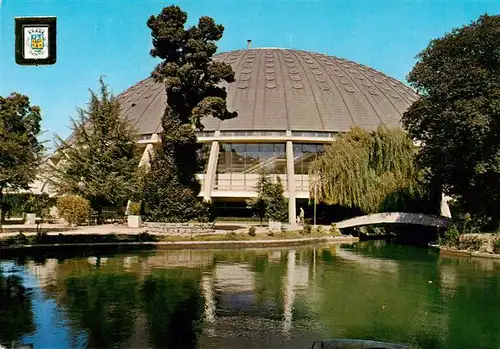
column 373, row 171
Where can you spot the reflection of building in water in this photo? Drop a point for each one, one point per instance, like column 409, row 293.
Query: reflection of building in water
column 234, row 277
column 235, row 285
column 289, row 291
column 46, row 273
column 274, row 257
column 448, row 277
column 232, row 288
column 180, row 259
column 369, row 262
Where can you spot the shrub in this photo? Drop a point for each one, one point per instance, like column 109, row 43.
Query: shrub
column 22, row 239
column 320, row 230
column 41, row 238
column 74, row 209
column 145, row 237
column 334, row 230
column 451, row 237
column 473, row 243
column 134, row 209
column 307, row 229
column 15, row 205
column 251, row 231
column 496, row 244
column 231, row 236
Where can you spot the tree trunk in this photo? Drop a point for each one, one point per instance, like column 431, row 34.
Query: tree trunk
column 1, row 209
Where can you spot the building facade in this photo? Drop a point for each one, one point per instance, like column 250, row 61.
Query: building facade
column 290, row 103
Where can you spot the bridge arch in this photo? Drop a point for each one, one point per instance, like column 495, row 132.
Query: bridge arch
column 395, row 218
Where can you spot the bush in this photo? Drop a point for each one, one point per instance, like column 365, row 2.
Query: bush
column 320, row 230
column 334, row 230
column 146, row 237
column 307, row 229
column 496, row 244
column 74, row 209
column 22, row 239
column 472, row 243
column 135, row 209
column 251, row 231
column 17, row 204
column 41, row 237
column 451, row 237
column 231, row 236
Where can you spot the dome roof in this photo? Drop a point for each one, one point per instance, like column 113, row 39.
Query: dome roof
column 282, row 89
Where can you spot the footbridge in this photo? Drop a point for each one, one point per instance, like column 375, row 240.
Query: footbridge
column 395, row 218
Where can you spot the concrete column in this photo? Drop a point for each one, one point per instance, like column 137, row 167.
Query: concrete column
column 146, row 156
column 290, row 174
column 211, row 169
column 144, row 161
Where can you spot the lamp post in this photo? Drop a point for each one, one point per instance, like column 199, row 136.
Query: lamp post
column 315, row 183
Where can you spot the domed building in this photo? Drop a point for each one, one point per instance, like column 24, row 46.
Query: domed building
column 290, row 103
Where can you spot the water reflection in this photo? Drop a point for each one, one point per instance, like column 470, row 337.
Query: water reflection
column 16, row 314
column 251, row 299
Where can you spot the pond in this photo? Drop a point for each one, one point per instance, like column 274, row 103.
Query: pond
column 262, row 298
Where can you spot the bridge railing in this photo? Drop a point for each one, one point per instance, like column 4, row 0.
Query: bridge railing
column 395, row 218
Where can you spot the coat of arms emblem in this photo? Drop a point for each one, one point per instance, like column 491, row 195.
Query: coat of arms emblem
column 36, row 42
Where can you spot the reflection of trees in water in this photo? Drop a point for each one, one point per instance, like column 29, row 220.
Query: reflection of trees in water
column 103, row 304
column 342, row 298
column 174, row 308
column 361, row 302
column 16, row 314
column 107, row 303
column 473, row 317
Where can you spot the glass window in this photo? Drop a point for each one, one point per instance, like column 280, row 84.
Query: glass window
column 266, row 154
column 239, row 164
column 224, row 161
column 252, row 157
column 237, row 157
column 280, row 160
column 304, row 154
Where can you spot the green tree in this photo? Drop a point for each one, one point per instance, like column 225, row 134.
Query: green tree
column 270, row 202
column 457, row 118
column 192, row 85
column 20, row 150
column 101, row 157
column 369, row 171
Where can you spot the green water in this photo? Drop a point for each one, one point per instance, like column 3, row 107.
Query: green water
column 276, row 298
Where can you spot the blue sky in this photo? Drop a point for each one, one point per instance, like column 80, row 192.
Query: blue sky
column 110, row 38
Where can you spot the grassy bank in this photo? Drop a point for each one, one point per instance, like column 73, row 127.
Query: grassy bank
column 53, row 239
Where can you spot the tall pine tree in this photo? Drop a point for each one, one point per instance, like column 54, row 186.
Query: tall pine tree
column 270, row 202
column 191, row 79
column 101, row 157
